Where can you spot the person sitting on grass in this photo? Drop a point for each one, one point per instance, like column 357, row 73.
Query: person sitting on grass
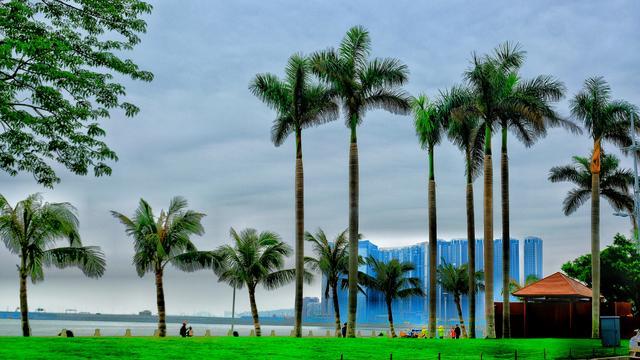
column 186, row 331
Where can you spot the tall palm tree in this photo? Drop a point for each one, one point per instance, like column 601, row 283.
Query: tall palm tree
column 501, row 98
column 611, row 183
column 529, row 114
column 455, row 281
column 166, row 239
column 255, row 258
column 361, row 84
column 465, row 132
column 332, row 259
column 429, row 125
column 393, row 281
column 31, row 229
column 299, row 104
column 605, row 120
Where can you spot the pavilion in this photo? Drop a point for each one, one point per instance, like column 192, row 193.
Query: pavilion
column 556, row 303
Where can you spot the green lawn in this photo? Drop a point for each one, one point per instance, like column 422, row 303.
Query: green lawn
column 290, row 348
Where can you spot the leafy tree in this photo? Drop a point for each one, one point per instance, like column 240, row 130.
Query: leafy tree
column 392, row 280
column 59, row 65
column 605, row 120
column 430, row 123
column 31, row 229
column 332, row 259
column 465, row 132
column 166, row 239
column 620, row 266
column 455, row 280
column 361, row 84
column 299, row 104
column 255, row 259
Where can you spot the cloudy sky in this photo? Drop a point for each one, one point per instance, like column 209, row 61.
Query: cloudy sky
column 202, row 135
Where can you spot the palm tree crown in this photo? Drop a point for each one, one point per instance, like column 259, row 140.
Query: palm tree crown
column 602, row 117
column 166, row 239
column 360, row 83
column 298, row 102
column 614, row 183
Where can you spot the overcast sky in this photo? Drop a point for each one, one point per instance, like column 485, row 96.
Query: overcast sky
column 201, row 134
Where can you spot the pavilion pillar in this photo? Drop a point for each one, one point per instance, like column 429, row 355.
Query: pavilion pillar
column 570, row 318
column 524, row 316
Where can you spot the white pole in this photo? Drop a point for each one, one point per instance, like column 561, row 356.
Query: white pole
column 635, row 175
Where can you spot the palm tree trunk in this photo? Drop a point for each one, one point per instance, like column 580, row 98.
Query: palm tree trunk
column 336, row 306
column 506, row 239
column 456, row 299
column 254, row 310
column 390, row 313
column 471, row 249
column 24, row 306
column 353, row 232
column 299, row 185
column 595, row 255
column 433, row 246
column 488, row 237
column 162, row 315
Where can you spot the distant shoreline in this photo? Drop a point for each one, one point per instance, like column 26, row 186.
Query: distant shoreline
column 245, row 320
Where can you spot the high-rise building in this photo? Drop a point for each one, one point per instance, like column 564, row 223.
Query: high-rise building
column 532, row 256
column 371, row 305
column 514, row 268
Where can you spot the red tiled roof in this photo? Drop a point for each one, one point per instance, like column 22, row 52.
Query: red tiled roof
column 556, row 285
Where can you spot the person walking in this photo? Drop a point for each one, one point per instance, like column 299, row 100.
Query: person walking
column 344, row 330
column 457, row 331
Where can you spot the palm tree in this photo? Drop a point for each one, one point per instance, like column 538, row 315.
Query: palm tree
column 299, row 104
column 255, row 258
column 605, row 120
column 361, row 84
column 31, row 229
column 166, row 239
column 455, row 281
column 332, row 259
column 501, row 98
column 528, row 116
column 429, row 125
column 465, row 132
column 393, row 281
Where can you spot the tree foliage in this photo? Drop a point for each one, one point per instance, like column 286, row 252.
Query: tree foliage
column 620, row 264
column 31, row 230
column 60, row 73
column 615, row 183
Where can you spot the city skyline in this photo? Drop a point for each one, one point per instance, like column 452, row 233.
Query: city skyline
column 371, row 307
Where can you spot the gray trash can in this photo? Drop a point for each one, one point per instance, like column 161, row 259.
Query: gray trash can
column 610, row 330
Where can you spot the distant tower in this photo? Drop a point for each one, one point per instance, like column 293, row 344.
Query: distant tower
column 533, row 256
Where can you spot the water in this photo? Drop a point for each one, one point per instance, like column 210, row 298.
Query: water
column 11, row 327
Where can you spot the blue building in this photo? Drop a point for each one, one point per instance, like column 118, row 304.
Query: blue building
column 532, row 257
column 514, row 268
column 371, row 305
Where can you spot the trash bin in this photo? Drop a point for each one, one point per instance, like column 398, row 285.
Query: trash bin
column 610, row 330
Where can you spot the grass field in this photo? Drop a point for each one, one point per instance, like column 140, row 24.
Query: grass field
column 290, row 348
